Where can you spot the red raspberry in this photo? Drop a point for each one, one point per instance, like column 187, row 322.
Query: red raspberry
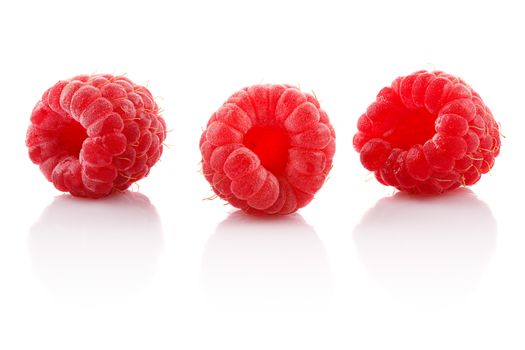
column 92, row 135
column 428, row 133
column 268, row 149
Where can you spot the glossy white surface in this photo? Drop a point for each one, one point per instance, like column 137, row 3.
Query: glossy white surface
column 361, row 267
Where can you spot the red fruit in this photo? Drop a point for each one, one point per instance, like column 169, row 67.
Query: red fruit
column 92, row 135
column 268, row 149
column 428, row 133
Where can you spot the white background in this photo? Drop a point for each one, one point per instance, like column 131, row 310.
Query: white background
column 164, row 269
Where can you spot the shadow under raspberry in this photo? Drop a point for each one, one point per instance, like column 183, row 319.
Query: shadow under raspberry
column 96, row 248
column 255, row 263
column 427, row 251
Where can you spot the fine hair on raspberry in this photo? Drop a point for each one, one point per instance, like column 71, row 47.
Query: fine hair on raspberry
column 95, row 134
column 268, row 149
column 429, row 132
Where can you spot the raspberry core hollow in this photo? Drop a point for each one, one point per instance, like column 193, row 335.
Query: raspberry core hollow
column 268, row 149
column 93, row 135
column 429, row 132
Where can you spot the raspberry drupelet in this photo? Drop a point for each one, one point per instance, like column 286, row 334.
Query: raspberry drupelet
column 268, row 149
column 93, row 135
column 428, row 133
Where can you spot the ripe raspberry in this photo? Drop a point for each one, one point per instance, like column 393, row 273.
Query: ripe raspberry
column 268, row 149
column 428, row 133
column 92, row 135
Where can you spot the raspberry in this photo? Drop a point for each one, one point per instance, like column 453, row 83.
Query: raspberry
column 268, row 149
column 428, row 133
column 92, row 135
